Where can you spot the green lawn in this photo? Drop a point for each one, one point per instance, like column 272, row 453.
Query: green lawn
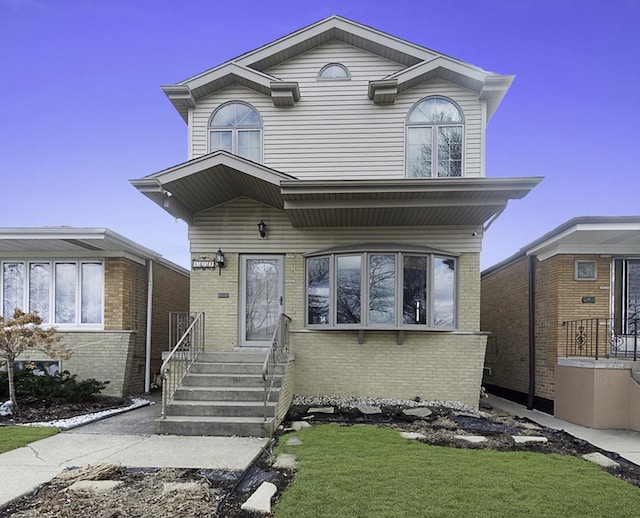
column 352, row 471
column 12, row 437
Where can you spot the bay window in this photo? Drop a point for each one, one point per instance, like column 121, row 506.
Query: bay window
column 65, row 293
column 384, row 290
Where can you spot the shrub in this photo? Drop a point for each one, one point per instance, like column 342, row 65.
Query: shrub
column 60, row 387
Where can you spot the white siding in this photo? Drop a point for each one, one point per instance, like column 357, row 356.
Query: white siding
column 234, row 228
column 335, row 130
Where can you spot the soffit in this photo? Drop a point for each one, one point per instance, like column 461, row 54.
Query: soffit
column 218, row 178
column 610, row 236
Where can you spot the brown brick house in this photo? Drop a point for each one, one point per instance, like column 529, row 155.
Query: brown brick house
column 563, row 315
column 99, row 290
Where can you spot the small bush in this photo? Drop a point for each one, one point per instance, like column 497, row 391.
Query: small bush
column 61, row 387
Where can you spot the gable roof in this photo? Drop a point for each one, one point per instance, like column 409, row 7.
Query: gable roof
column 420, row 65
column 610, row 235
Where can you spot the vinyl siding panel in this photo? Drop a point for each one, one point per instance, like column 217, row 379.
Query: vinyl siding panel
column 233, row 228
column 335, row 130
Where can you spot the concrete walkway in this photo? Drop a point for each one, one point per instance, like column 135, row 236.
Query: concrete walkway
column 626, row 443
column 126, row 439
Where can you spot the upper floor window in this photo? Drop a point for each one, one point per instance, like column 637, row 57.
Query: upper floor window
column 236, row 127
column 334, row 72
column 63, row 292
column 381, row 290
column 434, row 139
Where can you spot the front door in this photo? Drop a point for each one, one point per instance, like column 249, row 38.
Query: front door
column 261, row 299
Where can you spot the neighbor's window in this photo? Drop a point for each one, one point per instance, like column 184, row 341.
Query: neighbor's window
column 381, row 289
column 334, row 72
column 586, row 270
column 435, row 129
column 236, row 127
column 63, row 293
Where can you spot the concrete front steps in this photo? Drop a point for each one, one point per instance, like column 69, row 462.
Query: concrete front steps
column 223, row 394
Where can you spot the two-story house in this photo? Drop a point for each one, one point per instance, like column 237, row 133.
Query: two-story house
column 338, row 176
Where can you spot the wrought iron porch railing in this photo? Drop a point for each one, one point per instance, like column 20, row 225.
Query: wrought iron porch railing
column 278, row 349
column 186, row 330
column 602, row 338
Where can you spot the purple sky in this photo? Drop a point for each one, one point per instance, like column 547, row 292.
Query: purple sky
column 81, row 110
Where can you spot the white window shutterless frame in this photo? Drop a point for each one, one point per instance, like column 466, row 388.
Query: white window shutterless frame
column 261, row 298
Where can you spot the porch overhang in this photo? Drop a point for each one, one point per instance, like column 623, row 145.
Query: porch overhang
column 220, row 177
column 403, row 202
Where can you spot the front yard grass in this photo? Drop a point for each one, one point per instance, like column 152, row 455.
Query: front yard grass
column 372, row 471
column 12, row 437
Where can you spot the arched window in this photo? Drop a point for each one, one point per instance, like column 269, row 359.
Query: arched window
column 434, row 139
column 334, row 72
column 236, row 127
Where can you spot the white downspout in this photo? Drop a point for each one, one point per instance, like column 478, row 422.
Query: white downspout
column 147, row 362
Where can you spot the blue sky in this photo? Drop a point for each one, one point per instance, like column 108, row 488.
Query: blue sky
column 81, row 110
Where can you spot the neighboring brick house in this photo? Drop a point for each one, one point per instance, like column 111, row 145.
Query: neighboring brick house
column 93, row 285
column 563, row 314
column 340, row 171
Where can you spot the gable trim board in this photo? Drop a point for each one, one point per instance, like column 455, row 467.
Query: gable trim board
column 418, row 65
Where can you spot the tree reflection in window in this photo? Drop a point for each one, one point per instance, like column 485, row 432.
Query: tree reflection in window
column 444, row 278
column 414, row 297
column 318, row 290
column 434, row 139
column 382, row 289
column 348, row 292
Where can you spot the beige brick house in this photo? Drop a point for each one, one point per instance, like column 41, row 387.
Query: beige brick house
column 340, row 173
column 563, row 314
column 109, row 297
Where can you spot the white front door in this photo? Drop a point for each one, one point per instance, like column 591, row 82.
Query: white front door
column 261, row 298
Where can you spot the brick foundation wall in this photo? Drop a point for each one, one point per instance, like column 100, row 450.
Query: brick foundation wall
column 102, row 355
column 558, row 297
column 170, row 293
column 504, row 310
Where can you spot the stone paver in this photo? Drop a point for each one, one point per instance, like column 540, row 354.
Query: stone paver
column 601, row 460
column 417, row 412
column 531, row 426
column 293, row 441
column 472, row 438
column 321, row 410
column 285, row 461
column 369, row 410
column 260, row 501
column 521, row 439
column 412, row 435
column 299, row 425
column 97, row 486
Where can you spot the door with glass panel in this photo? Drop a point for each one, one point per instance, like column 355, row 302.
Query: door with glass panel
column 261, row 298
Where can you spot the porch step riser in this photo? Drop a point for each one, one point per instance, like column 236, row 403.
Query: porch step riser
column 221, row 394
column 200, row 428
column 223, row 380
column 227, row 368
column 257, row 410
column 232, row 357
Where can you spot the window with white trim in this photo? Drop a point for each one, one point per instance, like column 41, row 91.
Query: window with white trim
column 64, row 293
column 334, row 72
column 236, row 127
column 435, row 128
column 384, row 290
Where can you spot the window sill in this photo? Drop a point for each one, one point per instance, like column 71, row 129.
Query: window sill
column 361, row 331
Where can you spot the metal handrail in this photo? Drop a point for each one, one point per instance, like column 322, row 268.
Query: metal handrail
column 278, row 348
column 184, row 353
column 602, row 337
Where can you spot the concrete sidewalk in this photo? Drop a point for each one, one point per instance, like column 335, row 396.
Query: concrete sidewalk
column 24, row 469
column 626, row 443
